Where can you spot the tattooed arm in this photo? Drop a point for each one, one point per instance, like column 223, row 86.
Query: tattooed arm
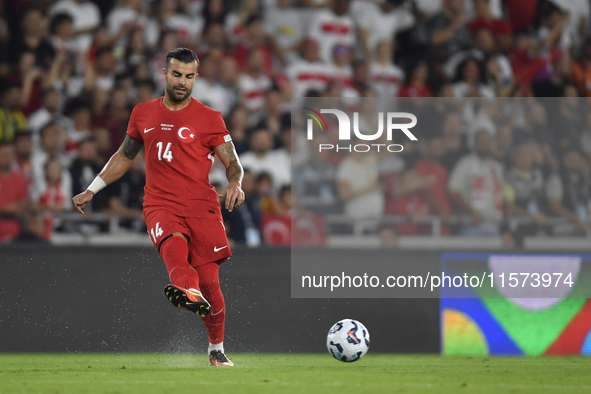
column 121, row 160
column 117, row 165
column 234, row 172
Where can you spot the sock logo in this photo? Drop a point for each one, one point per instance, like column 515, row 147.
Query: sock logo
column 217, row 313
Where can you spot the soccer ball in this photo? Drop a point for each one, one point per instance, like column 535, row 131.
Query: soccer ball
column 348, row 340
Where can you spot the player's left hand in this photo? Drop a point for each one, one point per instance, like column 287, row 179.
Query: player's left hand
column 234, row 196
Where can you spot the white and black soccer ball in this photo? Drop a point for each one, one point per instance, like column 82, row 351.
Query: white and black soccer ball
column 348, row 340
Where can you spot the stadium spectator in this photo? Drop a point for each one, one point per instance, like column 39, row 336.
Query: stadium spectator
column 33, row 38
column 586, row 136
column 50, row 147
column 524, row 191
column 449, row 32
column 550, row 34
column 416, row 84
column 342, row 70
column 86, row 166
column 129, row 17
column 29, row 76
column 263, row 159
column 268, row 196
column 207, row 90
column 253, row 83
column 332, row 26
column 315, row 182
column 244, row 222
column 503, row 146
column 32, row 229
column 553, row 86
column 453, row 138
column 359, row 187
column 85, row 19
column 388, row 237
column 62, row 34
column 471, row 81
column 214, row 12
column 145, row 90
column 475, row 186
column 569, row 192
column 136, row 50
column 390, row 170
column 170, row 18
column 255, row 39
column 430, row 166
column 13, row 194
column 521, row 13
column 566, row 118
column 309, row 72
column 284, row 26
column 228, row 78
column 285, row 201
column 105, row 68
column 422, row 189
column 236, row 21
column 499, row 28
column 270, row 117
column 12, row 119
column 386, row 77
column 581, row 74
column 381, row 22
column 126, row 196
column 213, row 38
column 23, row 147
column 237, row 124
column 57, row 196
column 50, row 105
column 115, row 117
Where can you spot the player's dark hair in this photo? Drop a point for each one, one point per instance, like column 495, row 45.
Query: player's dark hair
column 183, row 55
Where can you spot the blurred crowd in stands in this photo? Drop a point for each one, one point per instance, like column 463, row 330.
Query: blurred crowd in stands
column 72, row 70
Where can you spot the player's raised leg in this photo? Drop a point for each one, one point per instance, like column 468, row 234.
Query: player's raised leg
column 167, row 232
column 215, row 321
column 183, row 292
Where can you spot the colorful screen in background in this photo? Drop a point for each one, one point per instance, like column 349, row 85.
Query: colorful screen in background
column 481, row 325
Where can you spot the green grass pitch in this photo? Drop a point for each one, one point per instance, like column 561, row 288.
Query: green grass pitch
column 84, row 373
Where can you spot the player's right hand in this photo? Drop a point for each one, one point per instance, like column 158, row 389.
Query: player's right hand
column 81, row 199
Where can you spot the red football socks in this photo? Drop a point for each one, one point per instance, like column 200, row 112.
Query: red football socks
column 175, row 253
column 210, row 287
column 205, row 278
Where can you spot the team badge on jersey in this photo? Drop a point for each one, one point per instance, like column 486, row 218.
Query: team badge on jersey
column 186, row 134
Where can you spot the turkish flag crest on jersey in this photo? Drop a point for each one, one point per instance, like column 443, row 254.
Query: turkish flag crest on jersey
column 186, row 134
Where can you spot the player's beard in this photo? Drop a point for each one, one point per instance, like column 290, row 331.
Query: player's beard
column 174, row 97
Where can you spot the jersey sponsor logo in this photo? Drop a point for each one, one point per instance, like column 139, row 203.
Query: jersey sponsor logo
column 186, row 134
column 146, row 130
column 216, row 249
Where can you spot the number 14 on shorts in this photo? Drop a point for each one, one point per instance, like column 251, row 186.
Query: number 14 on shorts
column 156, row 232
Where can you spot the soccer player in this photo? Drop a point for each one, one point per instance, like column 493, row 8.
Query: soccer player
column 181, row 137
